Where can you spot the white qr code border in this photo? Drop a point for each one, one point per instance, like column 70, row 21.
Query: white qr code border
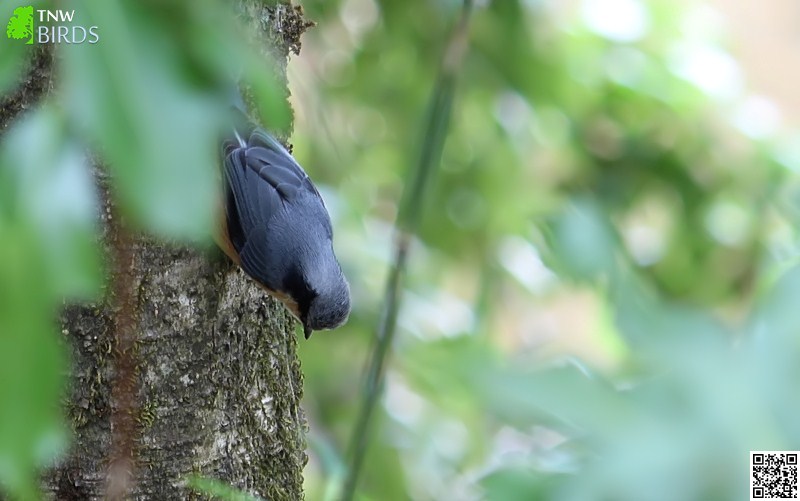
column 780, row 467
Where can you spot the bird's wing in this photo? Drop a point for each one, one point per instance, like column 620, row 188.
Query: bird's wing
column 253, row 256
column 251, row 203
column 277, row 166
column 254, row 200
column 263, row 179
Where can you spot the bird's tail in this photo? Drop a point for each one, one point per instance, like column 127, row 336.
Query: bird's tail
column 241, row 124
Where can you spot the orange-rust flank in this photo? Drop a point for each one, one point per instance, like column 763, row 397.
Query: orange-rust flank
column 222, row 239
column 287, row 301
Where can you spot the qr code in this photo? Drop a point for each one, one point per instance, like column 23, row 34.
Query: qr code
column 773, row 475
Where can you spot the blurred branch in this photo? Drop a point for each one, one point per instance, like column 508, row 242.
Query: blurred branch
column 121, row 463
column 406, row 226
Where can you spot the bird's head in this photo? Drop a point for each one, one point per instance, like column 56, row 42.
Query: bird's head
column 318, row 294
column 328, row 310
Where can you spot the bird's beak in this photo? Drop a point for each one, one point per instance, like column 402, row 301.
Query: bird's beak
column 307, row 331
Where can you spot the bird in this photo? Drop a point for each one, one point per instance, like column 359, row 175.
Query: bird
column 277, row 229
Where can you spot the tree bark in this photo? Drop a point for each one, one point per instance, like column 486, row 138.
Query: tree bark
column 217, row 380
column 220, row 384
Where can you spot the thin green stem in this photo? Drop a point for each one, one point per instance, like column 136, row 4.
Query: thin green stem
column 407, row 225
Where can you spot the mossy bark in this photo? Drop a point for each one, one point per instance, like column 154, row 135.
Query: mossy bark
column 219, row 382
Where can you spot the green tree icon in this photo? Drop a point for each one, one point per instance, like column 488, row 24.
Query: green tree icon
column 21, row 24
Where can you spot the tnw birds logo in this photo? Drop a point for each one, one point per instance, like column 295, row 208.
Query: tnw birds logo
column 20, row 26
column 42, row 26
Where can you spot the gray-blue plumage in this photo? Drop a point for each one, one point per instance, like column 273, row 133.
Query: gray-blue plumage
column 280, row 229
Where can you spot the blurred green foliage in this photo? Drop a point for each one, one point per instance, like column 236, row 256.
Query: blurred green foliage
column 592, row 310
column 600, row 304
column 218, row 490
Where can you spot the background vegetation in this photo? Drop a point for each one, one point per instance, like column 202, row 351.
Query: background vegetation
column 600, row 303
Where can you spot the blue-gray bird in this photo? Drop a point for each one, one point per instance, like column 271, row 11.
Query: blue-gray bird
column 277, row 229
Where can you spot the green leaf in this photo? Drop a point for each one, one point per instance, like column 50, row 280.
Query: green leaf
column 583, row 242
column 32, row 363
column 156, row 129
column 272, row 105
column 55, row 195
column 517, row 484
column 219, row 490
column 12, row 57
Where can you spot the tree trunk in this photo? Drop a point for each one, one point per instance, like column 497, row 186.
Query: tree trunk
column 216, row 378
column 220, row 384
